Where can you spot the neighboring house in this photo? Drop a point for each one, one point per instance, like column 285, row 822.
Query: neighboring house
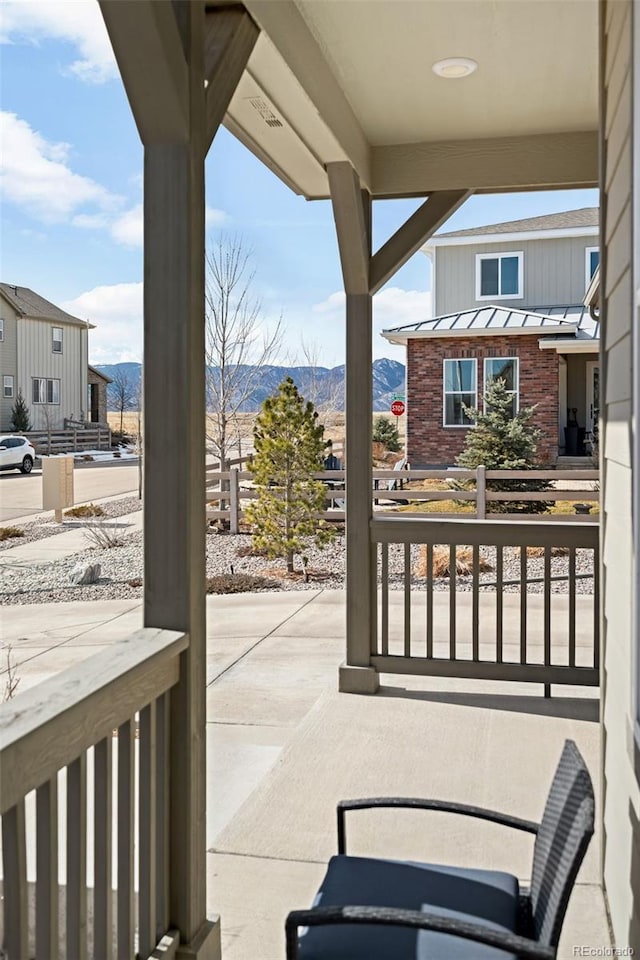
column 508, row 302
column 97, row 402
column 44, row 356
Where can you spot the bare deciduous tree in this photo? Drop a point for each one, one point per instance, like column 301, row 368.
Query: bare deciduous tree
column 323, row 387
column 238, row 342
column 123, row 392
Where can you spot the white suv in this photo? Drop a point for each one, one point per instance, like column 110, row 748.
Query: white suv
column 16, row 453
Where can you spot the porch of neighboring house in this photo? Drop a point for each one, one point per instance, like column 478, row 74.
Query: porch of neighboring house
column 579, row 382
column 283, row 747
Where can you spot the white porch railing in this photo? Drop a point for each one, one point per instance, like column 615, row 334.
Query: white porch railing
column 121, row 695
column 505, row 624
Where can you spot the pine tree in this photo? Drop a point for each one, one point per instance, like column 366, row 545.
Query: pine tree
column 503, row 441
column 289, row 449
column 20, row 421
column 387, row 433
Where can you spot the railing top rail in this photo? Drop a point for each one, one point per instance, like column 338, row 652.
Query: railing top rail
column 542, row 474
column 45, row 728
column 472, row 532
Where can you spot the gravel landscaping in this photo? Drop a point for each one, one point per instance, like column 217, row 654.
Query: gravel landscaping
column 121, row 568
column 46, row 526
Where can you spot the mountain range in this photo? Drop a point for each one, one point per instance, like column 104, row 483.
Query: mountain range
column 323, row 385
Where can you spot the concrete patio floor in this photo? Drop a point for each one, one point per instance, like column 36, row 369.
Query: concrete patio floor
column 284, row 746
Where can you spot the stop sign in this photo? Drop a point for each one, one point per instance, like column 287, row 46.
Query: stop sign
column 397, row 408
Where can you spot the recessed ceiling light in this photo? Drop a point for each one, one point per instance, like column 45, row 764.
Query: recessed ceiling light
column 455, row 67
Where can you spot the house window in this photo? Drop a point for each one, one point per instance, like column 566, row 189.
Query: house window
column 460, row 391
column 499, row 276
column 504, row 368
column 57, row 339
column 1, row 328
column 7, row 388
column 591, row 261
column 45, row 391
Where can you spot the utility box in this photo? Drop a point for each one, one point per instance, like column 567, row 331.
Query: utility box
column 57, row 484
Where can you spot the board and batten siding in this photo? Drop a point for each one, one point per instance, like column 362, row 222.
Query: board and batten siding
column 8, row 362
column 37, row 359
column 554, row 273
column 619, row 452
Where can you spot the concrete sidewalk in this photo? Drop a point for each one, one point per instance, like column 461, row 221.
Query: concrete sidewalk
column 73, row 540
column 283, row 746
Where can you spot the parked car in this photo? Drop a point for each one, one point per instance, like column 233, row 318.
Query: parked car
column 16, row 453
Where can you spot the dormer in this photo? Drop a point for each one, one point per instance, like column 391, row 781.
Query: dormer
column 518, row 263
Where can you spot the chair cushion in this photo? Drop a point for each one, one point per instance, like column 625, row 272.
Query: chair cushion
column 481, row 896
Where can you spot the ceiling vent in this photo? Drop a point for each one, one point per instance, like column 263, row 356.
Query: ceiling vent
column 265, row 111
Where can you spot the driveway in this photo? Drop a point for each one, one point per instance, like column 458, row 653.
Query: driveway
column 21, row 496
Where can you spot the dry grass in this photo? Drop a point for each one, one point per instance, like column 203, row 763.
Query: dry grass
column 84, row 510
column 9, row 533
column 441, row 562
column 239, row 583
column 103, row 536
column 555, row 551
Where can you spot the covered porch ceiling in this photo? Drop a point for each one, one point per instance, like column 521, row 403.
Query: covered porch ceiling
column 353, row 80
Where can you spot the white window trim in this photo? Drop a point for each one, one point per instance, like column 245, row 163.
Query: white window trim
column 446, row 393
column 499, row 256
column 484, row 379
column 588, row 276
column 54, row 341
column 7, row 381
column 46, row 381
column 1, row 328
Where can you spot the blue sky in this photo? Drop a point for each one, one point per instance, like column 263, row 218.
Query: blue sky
column 72, row 194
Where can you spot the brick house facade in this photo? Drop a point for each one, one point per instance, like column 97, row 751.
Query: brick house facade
column 538, row 385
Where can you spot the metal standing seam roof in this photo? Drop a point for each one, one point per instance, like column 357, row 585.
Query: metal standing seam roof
column 572, row 320
column 29, row 304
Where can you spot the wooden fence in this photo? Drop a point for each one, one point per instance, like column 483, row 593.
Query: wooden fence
column 230, row 488
column 508, row 623
column 46, row 442
column 101, row 722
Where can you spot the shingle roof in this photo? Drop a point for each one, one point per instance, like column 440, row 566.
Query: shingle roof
column 32, row 305
column 585, row 217
column 572, row 321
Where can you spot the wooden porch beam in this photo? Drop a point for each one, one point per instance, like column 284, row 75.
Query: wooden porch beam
column 541, row 161
column 412, row 234
column 149, row 51
column 230, row 36
column 351, row 226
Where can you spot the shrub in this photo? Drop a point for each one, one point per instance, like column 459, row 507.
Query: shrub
column 238, row 583
column 386, row 432
column 20, row 421
column 9, row 533
column 502, row 441
column 85, row 510
column 442, row 558
column 103, row 536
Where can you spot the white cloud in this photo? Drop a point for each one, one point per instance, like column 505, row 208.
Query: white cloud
column 127, row 229
column 392, row 307
column 215, row 218
column 35, row 175
column 79, row 23
column 117, row 312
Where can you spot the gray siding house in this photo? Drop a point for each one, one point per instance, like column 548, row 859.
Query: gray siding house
column 509, row 301
column 43, row 356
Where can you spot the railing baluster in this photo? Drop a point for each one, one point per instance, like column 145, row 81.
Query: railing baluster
column 126, row 917
column 596, row 608
column 14, row 855
column 407, row 599
column 77, row 858
column 47, row 870
column 103, row 829
column 499, row 601
column 452, row 601
column 523, row 604
column 147, row 829
column 384, row 586
column 475, row 605
column 162, row 816
column 572, row 606
column 547, row 614
column 430, row 600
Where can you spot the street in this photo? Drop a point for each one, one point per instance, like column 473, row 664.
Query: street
column 21, row 495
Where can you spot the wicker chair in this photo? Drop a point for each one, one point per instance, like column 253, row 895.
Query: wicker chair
column 370, row 909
